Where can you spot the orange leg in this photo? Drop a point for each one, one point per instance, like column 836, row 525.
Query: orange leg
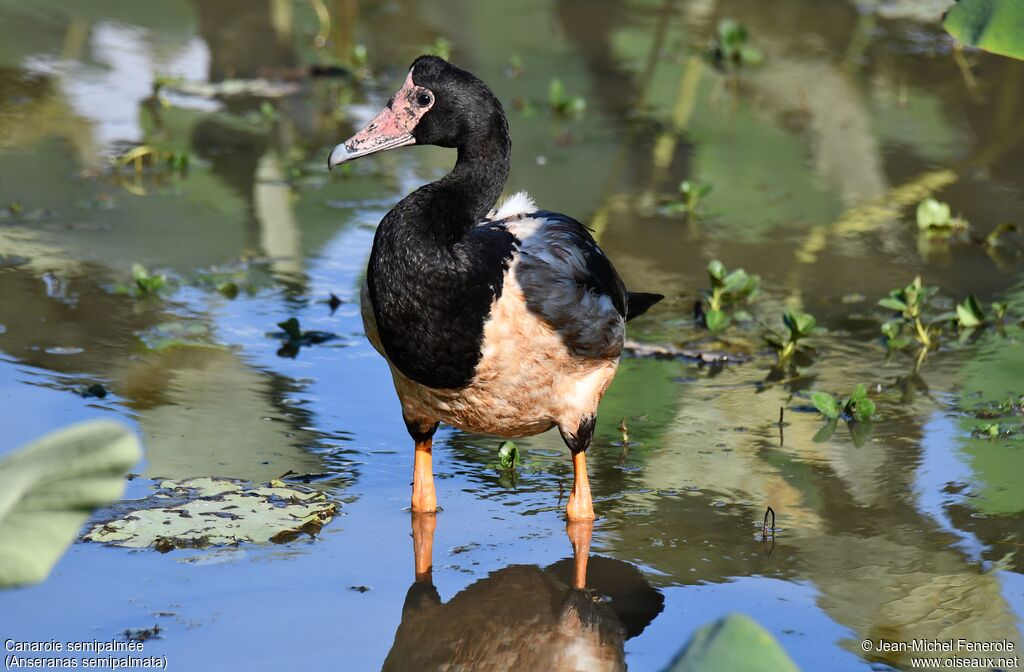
column 424, row 499
column 579, row 533
column 580, row 506
column 423, row 525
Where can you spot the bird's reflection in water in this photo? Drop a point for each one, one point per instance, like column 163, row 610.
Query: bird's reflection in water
column 574, row 615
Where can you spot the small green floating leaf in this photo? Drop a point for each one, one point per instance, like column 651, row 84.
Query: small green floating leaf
column 48, row 489
column 992, row 25
column 826, row 404
column 735, row 643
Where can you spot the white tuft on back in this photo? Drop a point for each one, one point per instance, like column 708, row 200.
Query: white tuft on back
column 518, row 203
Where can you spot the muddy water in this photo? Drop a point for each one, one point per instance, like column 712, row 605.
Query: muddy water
column 817, row 158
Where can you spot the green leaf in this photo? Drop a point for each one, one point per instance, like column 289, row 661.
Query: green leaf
column 716, row 270
column 799, row 324
column 863, row 410
column 717, row 320
column 893, row 303
column 735, row 643
column 508, row 455
column 970, row 313
column 859, row 394
column 292, row 328
column 48, row 489
column 932, row 213
column 736, row 282
column 993, row 25
column 826, row 404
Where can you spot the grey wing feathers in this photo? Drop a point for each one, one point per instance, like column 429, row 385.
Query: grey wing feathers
column 570, row 283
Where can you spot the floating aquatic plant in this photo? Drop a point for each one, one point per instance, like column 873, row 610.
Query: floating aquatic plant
column 799, row 325
column 562, row 103
column 855, row 407
column 690, row 196
column 909, row 302
column 726, row 288
column 936, row 220
column 206, row 512
column 731, row 48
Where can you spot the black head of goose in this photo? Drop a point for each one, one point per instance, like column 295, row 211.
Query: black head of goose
column 506, row 322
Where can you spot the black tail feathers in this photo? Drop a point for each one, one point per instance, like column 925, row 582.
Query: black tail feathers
column 637, row 303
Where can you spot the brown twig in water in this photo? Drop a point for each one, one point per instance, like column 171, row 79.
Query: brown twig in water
column 764, row 525
column 782, row 438
column 768, row 542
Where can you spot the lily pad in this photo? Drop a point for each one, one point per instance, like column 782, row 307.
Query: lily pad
column 49, row 488
column 736, row 643
column 207, row 512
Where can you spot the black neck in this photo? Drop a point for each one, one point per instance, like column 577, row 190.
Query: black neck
column 444, row 210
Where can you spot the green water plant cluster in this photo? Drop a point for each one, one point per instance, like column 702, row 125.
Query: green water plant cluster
column 144, row 284
column 730, row 49
column 909, row 303
column 911, row 325
column 727, row 288
column 563, row 104
column 691, row 194
column 856, row 410
column 857, row 406
column 799, row 325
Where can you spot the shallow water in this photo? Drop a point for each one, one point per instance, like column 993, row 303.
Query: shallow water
column 811, row 155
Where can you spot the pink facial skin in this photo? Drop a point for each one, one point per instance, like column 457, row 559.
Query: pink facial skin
column 391, row 128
